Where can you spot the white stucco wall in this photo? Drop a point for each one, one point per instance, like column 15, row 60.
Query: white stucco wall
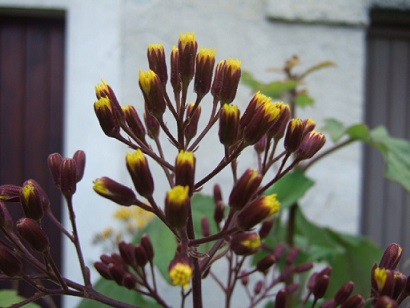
column 109, row 39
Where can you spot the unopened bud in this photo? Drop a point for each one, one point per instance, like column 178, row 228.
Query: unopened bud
column 107, row 117
column 257, row 289
column 245, row 244
column 54, row 164
column 116, row 272
column 114, row 191
column 185, row 170
column 293, row 254
column 266, row 227
column 147, row 244
column 205, row 62
column 229, row 124
column 277, row 130
column 10, row 193
column 310, row 145
column 68, row 180
column 177, row 206
column 391, row 257
column 156, row 60
column 385, row 302
column 31, row 231
column 264, row 264
column 187, row 46
column 152, row 125
column 244, row 189
column 129, row 281
column 175, row 70
column 140, row 173
column 281, row 299
column 127, row 253
column 79, row 158
column 6, row 221
column 9, row 264
column 102, row 269
column 344, row 293
column 140, row 255
column 134, row 122
column 294, row 135
column 205, row 227
column 192, row 126
column 321, row 285
column 153, row 92
column 356, row 301
column 33, row 200
column 219, row 212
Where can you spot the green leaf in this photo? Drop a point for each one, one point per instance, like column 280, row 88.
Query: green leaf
column 317, row 67
column 10, row 297
column 396, row 152
column 304, row 100
column 164, row 243
column 277, row 88
column 113, row 290
column 350, row 256
column 203, row 206
column 335, row 128
column 359, row 132
column 248, row 79
column 291, row 188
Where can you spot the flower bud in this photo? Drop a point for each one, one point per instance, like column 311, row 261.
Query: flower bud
column 304, row 267
column 134, row 123
column 279, row 250
column 308, row 126
column 114, row 191
column 152, row 125
column 156, row 60
column 192, row 126
column 330, row 303
column 153, row 92
column 31, row 231
column 187, row 46
column 281, row 299
column 261, row 145
column 102, row 269
column 10, row 193
column 344, row 293
column 107, row 117
column 33, row 200
column 6, row 221
column 140, row 173
column 205, row 227
column 147, row 245
column 264, row 264
column 185, row 170
column 140, row 255
column 129, row 281
column 321, row 285
column 356, row 301
column 257, row 100
column 257, row 211
column 257, row 289
column 68, row 179
column 310, row 145
column 54, row 164
column 205, row 62
column 181, row 270
column 175, row 70
column 218, row 79
column 127, row 253
column 217, row 193
column 116, row 272
column 277, row 130
column 244, row 189
column 294, row 135
column 293, row 254
column 219, row 212
column 229, row 124
column 231, row 70
column 79, row 158
column 177, row 204
column 245, row 244
column 391, row 257
column 9, row 264
column 385, row 302
column 244, row 278
column 265, row 228
column 400, row 281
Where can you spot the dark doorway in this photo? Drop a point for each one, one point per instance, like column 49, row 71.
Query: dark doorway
column 31, row 104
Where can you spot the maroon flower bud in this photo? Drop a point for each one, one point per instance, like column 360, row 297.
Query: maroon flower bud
column 219, row 212
column 187, row 46
column 54, row 164
column 293, row 254
column 127, row 253
column 244, row 278
column 266, row 227
column 175, row 70
column 185, row 170
column 107, row 117
column 68, row 180
column 281, row 299
column 229, row 124
column 264, row 264
column 156, row 60
column 391, row 257
column 205, row 227
column 400, row 281
column 218, row 79
column 244, row 189
column 321, row 285
column 205, row 62
column 310, row 145
column 217, row 193
column 33, row 200
column 260, row 146
column 355, row 301
column 304, row 267
column 140, row 255
column 102, row 269
column 129, row 281
column 330, row 303
column 6, row 221
column 277, row 130
column 134, row 122
column 114, row 191
column 116, row 272
column 279, row 250
column 147, row 245
column 152, row 125
column 230, row 81
column 10, row 193
column 385, row 302
column 31, row 231
column 140, row 173
column 153, row 92
column 294, row 135
column 257, row 211
column 257, row 100
column 245, row 244
column 177, row 204
column 79, row 158
column 9, row 264
column 309, row 125
column 259, row 285
column 192, row 126
column 344, row 293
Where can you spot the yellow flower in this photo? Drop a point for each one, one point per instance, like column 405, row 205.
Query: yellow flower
column 181, row 274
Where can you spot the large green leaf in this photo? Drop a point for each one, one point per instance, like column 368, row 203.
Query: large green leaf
column 350, row 256
column 113, row 290
column 10, row 297
column 203, row 206
column 248, row 79
column 291, row 188
column 335, row 128
column 396, row 153
column 304, row 100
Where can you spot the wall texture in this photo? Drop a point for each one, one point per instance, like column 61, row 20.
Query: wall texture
column 109, row 41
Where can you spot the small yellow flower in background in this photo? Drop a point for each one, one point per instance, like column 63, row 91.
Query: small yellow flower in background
column 107, row 232
column 136, row 216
